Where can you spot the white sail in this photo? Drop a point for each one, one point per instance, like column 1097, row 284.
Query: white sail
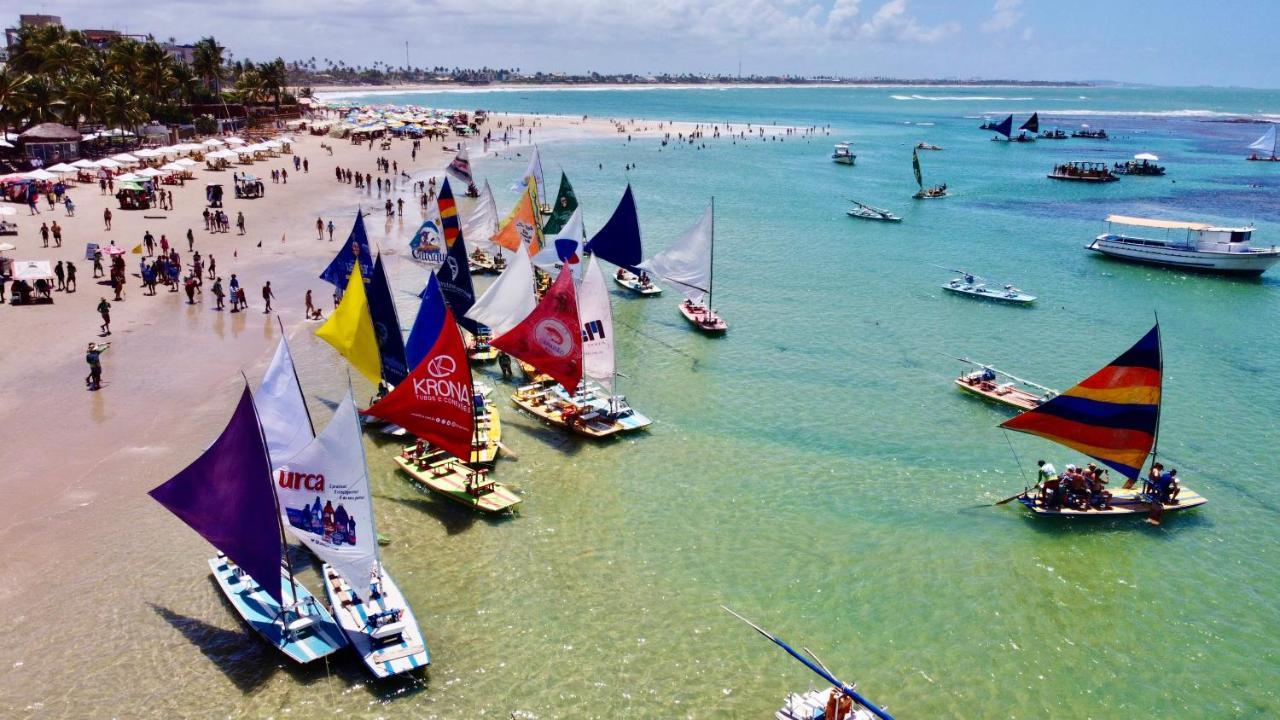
column 686, row 263
column 596, row 315
column 482, row 224
column 534, row 172
column 509, row 299
column 325, row 501
column 281, row 408
column 1266, row 143
column 564, row 248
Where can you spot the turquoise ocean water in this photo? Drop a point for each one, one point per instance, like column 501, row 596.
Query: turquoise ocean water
column 816, row 469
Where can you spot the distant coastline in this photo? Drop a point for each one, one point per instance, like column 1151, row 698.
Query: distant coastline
column 395, row 89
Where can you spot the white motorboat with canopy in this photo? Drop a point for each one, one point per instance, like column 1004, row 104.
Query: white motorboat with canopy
column 1195, row 246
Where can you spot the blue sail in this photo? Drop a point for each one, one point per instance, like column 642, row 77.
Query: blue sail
column 1032, row 124
column 356, row 246
column 427, row 325
column 618, row 241
column 1005, row 127
column 386, row 326
column 455, row 282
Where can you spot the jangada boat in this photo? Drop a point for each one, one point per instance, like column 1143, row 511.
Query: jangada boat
column 638, row 284
column 1054, row 134
column 478, row 348
column 1026, row 134
column 973, row 286
column 869, row 212
column 1142, row 164
column 1087, row 134
column 689, row 264
column 841, row 701
column 456, row 481
column 481, row 262
column 932, row 193
column 1266, row 145
column 618, row 242
column 1087, row 172
column 589, row 412
column 992, row 384
column 1196, row 246
column 381, row 626
column 843, row 155
column 1113, row 416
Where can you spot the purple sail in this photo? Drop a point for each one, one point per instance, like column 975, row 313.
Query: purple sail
column 226, row 496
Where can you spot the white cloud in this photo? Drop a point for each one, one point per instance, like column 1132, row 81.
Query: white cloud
column 891, row 22
column 1004, row 15
column 842, row 19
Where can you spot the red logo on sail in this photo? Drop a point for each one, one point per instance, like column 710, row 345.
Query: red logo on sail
column 549, row 338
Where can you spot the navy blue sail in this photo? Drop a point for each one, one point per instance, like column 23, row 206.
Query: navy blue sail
column 1005, row 127
column 1032, row 125
column 618, row 241
column 356, row 247
column 455, row 282
column 386, row 326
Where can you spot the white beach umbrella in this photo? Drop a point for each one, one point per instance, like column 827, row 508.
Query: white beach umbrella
column 272, row 144
column 173, row 167
column 129, row 177
column 108, row 163
column 41, row 175
column 124, row 158
column 214, row 142
column 150, row 172
column 224, row 154
column 84, row 164
column 286, row 140
column 148, row 153
column 235, row 141
column 61, row 168
column 184, row 162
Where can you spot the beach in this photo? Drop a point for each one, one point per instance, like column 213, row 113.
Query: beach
column 815, row 469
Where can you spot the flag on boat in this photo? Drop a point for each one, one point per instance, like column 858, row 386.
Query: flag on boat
column 386, row 326
column 1112, row 415
column 562, row 209
column 1005, row 126
column 1032, row 125
column 225, row 495
column 550, row 339
column 282, row 409
column 618, row 241
column 323, row 493
column 686, row 263
column 509, row 299
column 521, row 228
column 565, row 249
column 435, row 402
column 482, row 224
column 356, row 248
column 460, row 168
column 915, row 166
column 350, row 330
column 449, row 227
column 598, row 362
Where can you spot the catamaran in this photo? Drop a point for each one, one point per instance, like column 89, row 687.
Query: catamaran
column 226, row 496
column 932, row 193
column 841, row 701
column 1202, row 247
column 869, row 212
column 1266, row 145
column 974, row 286
column 843, row 155
column 688, row 264
column 991, row 383
column 618, row 242
column 1113, row 416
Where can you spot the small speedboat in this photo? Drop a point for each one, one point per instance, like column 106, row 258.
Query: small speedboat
column 869, row 212
column 1087, row 134
column 843, row 155
column 972, row 285
column 639, row 284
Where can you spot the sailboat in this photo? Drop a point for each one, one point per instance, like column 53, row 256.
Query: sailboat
column 841, row 701
column 595, row 409
column 1005, row 128
column 226, row 496
column 479, row 228
column 562, row 209
column 1113, row 416
column 509, row 299
column 325, row 499
column 1266, row 145
column 618, row 242
column 932, row 193
column 688, row 264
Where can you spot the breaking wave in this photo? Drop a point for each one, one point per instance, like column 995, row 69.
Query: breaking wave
column 957, row 98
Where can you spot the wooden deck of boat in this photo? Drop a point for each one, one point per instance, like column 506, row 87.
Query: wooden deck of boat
column 1012, row 396
column 449, row 478
column 718, row 327
column 261, row 612
column 1123, row 503
column 538, row 402
column 387, row 659
column 634, row 286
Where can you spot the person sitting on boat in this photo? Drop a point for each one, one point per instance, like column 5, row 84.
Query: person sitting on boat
column 622, row 274
column 1168, row 488
column 644, row 279
column 968, row 278
column 1153, row 479
column 1099, row 497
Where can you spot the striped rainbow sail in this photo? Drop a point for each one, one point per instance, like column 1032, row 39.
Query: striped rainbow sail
column 1111, row 416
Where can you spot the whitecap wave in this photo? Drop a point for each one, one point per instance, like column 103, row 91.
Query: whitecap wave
column 959, row 98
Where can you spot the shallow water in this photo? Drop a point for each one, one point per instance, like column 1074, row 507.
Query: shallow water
column 815, row 469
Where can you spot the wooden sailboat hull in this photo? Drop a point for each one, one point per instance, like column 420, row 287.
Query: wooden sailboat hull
column 449, row 478
column 812, row 705
column 543, row 403
column 262, row 613
column 982, row 293
column 704, row 319
column 401, row 653
column 592, row 397
column 1124, row 503
column 632, row 283
column 1002, row 394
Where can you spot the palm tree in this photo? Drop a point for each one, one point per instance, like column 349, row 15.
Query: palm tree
column 207, row 63
column 251, row 86
column 12, row 97
column 124, row 108
column 88, row 96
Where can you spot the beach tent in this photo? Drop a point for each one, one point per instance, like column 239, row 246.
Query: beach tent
column 214, row 142
column 85, row 164
column 108, row 163
column 32, row 270
column 173, row 167
column 125, row 158
column 129, row 177
column 184, row 162
column 150, row 172
column 41, row 175
column 61, row 168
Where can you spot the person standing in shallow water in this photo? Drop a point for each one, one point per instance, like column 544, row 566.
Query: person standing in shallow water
column 217, row 293
column 94, row 358
column 266, row 297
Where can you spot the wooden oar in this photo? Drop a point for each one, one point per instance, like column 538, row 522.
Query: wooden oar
column 506, row 450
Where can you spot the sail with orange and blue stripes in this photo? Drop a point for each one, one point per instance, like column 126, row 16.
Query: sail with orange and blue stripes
column 1112, row 416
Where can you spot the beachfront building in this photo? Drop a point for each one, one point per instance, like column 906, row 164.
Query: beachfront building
column 50, row 143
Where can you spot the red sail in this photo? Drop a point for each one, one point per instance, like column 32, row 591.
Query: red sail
column 435, row 401
column 550, row 339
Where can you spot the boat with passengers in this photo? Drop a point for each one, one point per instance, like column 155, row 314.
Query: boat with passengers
column 1195, row 246
column 843, row 155
column 1080, row 171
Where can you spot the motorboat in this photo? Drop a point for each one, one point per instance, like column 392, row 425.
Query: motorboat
column 870, row 212
column 1189, row 245
column 843, row 155
column 973, row 286
column 1080, row 171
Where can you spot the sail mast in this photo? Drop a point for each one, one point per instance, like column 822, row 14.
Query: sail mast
column 1155, row 442
column 711, row 276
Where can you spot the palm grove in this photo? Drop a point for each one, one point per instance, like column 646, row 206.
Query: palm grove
column 56, row 75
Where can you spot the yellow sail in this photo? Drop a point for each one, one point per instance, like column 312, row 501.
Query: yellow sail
column 350, row 330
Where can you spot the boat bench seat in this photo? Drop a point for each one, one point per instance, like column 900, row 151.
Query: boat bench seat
column 300, row 624
column 386, row 631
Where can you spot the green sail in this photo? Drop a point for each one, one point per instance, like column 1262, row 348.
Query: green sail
column 566, row 202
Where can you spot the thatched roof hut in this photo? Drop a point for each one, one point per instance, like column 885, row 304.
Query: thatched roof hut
column 51, row 143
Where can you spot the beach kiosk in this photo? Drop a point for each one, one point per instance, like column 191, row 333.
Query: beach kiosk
column 50, row 143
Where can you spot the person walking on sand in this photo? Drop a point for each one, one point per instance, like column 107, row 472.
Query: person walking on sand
column 94, row 358
column 330, row 231
column 266, row 297
column 71, row 277
column 191, row 241
column 104, row 309
column 319, row 229
column 242, row 300
column 44, row 233
column 213, row 266
column 60, row 273
column 97, row 263
column 149, row 242
column 312, row 312
column 106, row 217
column 32, row 208
column 117, row 286
column 57, row 233
column 240, row 222
column 217, row 293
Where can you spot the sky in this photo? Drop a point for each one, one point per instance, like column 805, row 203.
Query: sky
column 1163, row 42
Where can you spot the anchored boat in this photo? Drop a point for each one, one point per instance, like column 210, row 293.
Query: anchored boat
column 1266, row 145
column 689, row 264
column 869, row 212
column 1054, row 134
column 1188, row 245
column 618, row 242
column 638, row 284
column 1080, row 171
column 993, row 384
column 1113, row 416
column 1026, row 132
column 843, row 155
column 927, row 146
column 1142, row 164
column 1085, row 133
column 457, row 481
column 974, row 286
column 932, row 193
